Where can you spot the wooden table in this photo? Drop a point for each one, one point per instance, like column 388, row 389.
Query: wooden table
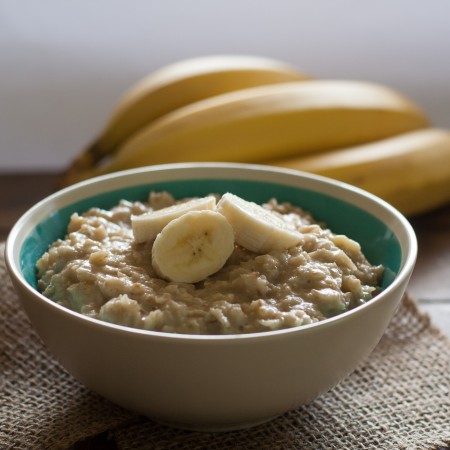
column 430, row 283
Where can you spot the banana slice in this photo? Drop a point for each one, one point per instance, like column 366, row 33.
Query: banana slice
column 147, row 226
column 193, row 246
column 256, row 228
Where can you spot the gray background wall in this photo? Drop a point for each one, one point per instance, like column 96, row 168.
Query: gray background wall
column 63, row 64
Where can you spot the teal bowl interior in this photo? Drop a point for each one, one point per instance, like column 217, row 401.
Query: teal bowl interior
column 378, row 242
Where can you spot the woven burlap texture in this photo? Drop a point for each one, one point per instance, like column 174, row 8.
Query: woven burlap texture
column 399, row 398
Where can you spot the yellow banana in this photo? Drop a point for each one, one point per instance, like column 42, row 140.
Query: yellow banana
column 263, row 123
column 175, row 86
column 411, row 171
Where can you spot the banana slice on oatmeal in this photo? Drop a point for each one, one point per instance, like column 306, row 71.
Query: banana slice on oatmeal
column 193, row 246
column 256, row 228
column 147, row 226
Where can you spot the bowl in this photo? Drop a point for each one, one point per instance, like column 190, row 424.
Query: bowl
column 215, row 382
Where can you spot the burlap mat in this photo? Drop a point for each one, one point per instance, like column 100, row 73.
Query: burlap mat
column 398, row 399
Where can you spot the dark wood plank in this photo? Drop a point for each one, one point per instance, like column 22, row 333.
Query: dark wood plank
column 18, row 192
column 431, row 278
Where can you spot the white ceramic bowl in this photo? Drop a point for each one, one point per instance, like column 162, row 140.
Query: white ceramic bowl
column 215, row 382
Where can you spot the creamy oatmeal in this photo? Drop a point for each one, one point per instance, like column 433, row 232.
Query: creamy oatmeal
column 99, row 269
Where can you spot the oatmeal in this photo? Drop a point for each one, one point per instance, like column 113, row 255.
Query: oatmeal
column 99, row 269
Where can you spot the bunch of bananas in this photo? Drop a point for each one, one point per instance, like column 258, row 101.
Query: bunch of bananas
column 252, row 109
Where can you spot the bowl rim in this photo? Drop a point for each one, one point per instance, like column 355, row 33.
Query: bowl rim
column 337, row 189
